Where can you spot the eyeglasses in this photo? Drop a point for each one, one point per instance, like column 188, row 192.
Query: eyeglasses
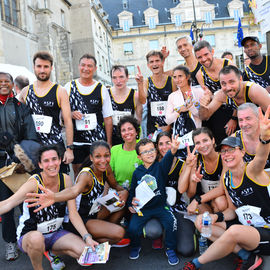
column 229, row 151
column 151, row 151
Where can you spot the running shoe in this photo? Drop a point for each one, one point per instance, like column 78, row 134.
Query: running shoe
column 253, row 262
column 238, row 261
column 55, row 261
column 11, row 251
column 134, row 253
column 122, row 243
column 172, row 258
column 157, row 243
column 189, row 266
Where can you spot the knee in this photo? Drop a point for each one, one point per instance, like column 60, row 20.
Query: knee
column 35, row 241
column 220, row 204
column 119, row 233
column 153, row 229
column 187, row 248
column 232, row 233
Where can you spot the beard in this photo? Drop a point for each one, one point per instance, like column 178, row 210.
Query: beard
column 43, row 79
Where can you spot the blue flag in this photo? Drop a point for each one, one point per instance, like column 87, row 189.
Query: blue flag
column 191, row 34
column 240, row 34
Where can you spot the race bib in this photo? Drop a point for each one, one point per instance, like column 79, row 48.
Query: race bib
column 186, row 139
column 43, row 123
column 208, row 185
column 158, row 108
column 88, row 122
column 117, row 115
column 50, row 226
column 250, row 215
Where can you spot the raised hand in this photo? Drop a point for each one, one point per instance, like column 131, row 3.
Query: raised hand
column 40, row 199
column 206, row 98
column 174, row 144
column 191, row 156
column 264, row 124
column 197, row 176
column 139, row 76
column 165, row 52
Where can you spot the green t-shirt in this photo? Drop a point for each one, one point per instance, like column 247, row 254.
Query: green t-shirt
column 123, row 163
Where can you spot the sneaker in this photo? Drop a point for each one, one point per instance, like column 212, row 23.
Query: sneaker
column 134, row 253
column 238, row 261
column 172, row 258
column 157, row 243
column 11, row 251
column 55, row 261
column 189, row 266
column 122, row 243
column 253, row 262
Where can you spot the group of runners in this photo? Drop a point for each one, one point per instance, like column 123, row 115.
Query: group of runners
column 117, row 137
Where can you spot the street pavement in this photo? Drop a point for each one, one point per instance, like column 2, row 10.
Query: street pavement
column 149, row 259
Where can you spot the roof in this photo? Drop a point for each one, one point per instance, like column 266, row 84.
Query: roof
column 137, row 7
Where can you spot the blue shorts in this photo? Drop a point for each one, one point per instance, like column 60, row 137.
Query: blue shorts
column 49, row 238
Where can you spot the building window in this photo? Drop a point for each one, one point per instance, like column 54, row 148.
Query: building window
column 125, row 4
column 152, row 23
column 128, row 48
column 211, row 40
column 150, row 3
column 262, row 37
column 178, row 21
column 100, row 33
column 103, row 63
column 131, row 71
column 126, row 26
column 208, row 17
column 9, row 11
column 153, row 44
column 63, row 20
column 236, row 14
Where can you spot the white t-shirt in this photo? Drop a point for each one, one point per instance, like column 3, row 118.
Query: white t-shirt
column 107, row 110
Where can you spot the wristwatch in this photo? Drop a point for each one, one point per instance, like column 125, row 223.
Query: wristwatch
column 262, row 141
column 198, row 199
column 234, row 118
column 71, row 147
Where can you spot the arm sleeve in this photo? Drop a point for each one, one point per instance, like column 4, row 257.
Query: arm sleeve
column 107, row 110
column 166, row 162
column 171, row 114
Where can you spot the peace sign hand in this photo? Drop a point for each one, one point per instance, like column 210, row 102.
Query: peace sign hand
column 191, row 156
column 264, row 124
column 197, row 176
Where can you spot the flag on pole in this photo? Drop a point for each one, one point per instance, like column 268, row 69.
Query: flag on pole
column 240, row 34
column 191, row 33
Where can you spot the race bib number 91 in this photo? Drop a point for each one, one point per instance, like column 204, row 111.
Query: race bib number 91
column 88, row 122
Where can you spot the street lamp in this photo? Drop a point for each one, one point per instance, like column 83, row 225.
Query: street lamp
column 194, row 27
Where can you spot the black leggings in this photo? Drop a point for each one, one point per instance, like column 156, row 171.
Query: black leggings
column 186, row 239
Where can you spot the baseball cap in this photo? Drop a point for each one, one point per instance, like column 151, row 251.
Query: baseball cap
column 249, row 38
column 230, row 141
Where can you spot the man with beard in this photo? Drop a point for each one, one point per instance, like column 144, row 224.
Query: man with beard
column 185, row 49
column 91, row 107
column 258, row 70
column 222, row 123
column 46, row 101
column 234, row 91
column 155, row 90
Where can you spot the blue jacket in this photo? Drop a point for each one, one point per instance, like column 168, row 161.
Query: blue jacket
column 159, row 170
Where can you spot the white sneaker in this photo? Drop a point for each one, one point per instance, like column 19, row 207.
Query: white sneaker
column 55, row 261
column 11, row 251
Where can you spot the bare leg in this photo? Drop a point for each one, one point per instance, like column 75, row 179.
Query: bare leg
column 103, row 231
column 234, row 239
column 33, row 244
column 219, row 204
column 69, row 244
column 76, row 169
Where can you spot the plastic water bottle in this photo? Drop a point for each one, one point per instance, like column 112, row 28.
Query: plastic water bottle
column 206, row 225
column 203, row 245
column 126, row 184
